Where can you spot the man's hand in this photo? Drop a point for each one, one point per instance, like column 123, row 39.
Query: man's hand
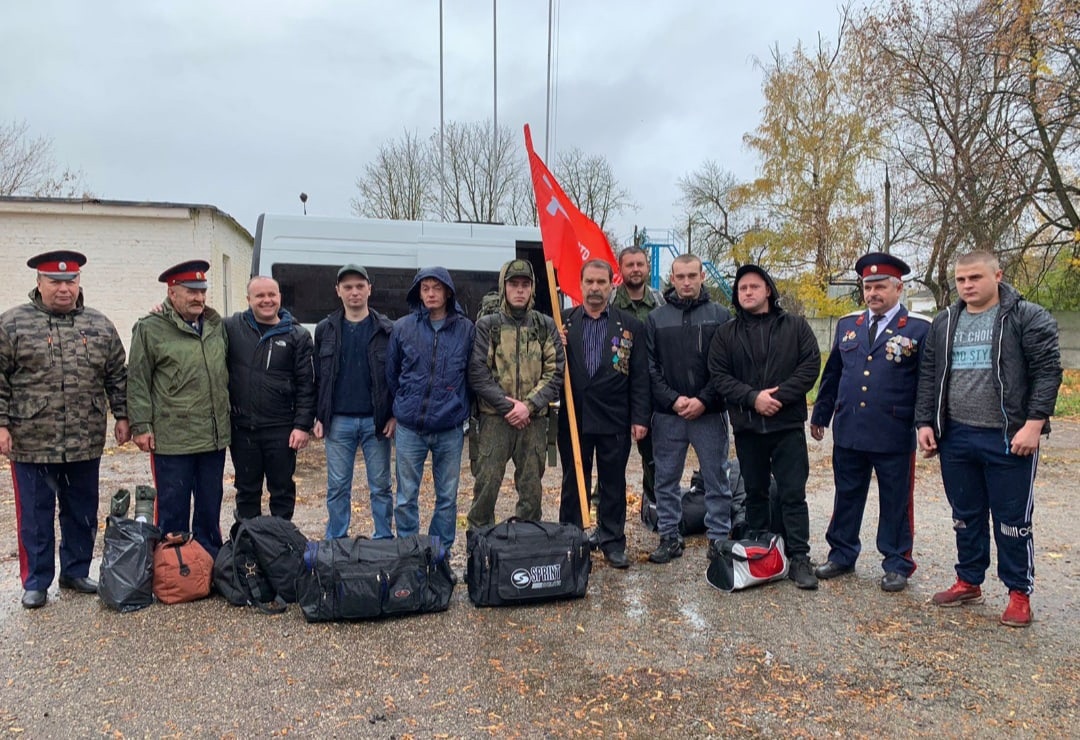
column 390, row 428
column 638, row 432
column 562, row 334
column 5, row 441
column 122, row 431
column 298, row 439
column 689, row 408
column 765, row 404
column 518, row 417
column 1026, row 441
column 318, row 430
column 817, row 432
column 927, row 441
column 157, row 308
column 144, row 442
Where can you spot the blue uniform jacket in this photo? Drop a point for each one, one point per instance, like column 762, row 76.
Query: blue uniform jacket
column 869, row 392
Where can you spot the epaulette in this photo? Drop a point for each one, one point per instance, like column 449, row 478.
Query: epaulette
column 922, row 316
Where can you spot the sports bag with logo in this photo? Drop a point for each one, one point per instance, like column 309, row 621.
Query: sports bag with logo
column 358, row 578
column 127, row 564
column 183, row 569
column 759, row 558
column 519, row 561
column 259, row 563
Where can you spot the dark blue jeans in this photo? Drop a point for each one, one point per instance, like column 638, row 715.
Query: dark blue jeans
column 179, row 480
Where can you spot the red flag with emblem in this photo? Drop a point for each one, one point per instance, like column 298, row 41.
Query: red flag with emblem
column 570, row 237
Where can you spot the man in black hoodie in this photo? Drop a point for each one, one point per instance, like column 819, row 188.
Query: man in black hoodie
column 763, row 364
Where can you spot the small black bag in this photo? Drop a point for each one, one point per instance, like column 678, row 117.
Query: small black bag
column 519, row 561
column 348, row 578
column 260, row 562
column 127, row 564
column 693, row 508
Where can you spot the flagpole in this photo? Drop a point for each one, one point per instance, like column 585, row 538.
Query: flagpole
column 568, row 404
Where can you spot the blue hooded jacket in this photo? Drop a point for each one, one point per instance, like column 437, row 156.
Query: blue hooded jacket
column 426, row 370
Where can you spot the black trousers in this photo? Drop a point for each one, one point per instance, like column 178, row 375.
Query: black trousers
column 783, row 455
column 612, row 451
column 258, row 454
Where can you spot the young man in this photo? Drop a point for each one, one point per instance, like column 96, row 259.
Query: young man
column 426, row 365
column 60, row 362
column 988, row 384
column 352, row 407
column 272, row 395
column 609, row 377
column 686, row 411
column 869, row 383
column 763, row 364
column 178, row 400
column 516, row 370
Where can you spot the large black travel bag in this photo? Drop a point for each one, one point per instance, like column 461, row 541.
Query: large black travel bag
column 260, row 562
column 519, row 561
column 358, row 578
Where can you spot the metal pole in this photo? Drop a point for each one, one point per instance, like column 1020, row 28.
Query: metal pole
column 442, row 168
column 888, row 210
column 547, row 110
column 494, row 107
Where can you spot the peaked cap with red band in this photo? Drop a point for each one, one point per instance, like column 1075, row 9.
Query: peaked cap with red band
column 190, row 274
column 61, row 264
column 879, row 266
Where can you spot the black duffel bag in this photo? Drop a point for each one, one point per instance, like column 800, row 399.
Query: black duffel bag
column 693, row 508
column 519, row 561
column 358, row 578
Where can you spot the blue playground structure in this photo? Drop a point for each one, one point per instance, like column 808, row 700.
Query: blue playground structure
column 671, row 246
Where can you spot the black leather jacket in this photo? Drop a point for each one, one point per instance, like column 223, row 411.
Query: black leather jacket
column 1025, row 357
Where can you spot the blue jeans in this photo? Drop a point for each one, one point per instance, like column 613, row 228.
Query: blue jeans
column 672, row 436
column 186, row 480
column 412, row 451
column 346, row 434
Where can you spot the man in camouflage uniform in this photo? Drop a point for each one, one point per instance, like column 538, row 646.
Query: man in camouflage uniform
column 516, row 370
column 638, row 298
column 59, row 363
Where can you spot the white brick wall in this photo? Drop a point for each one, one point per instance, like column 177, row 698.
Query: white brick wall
column 127, row 246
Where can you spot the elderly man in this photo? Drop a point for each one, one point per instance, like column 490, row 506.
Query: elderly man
column 178, row 400
column 59, row 363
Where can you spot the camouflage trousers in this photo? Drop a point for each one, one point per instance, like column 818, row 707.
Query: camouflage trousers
column 498, row 444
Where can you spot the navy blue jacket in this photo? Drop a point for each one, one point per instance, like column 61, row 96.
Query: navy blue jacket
column 869, row 391
column 426, row 370
column 328, row 357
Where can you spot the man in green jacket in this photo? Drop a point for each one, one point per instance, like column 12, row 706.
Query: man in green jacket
column 178, row 403
column 59, row 363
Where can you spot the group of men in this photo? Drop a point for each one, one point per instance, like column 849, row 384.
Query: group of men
column 665, row 371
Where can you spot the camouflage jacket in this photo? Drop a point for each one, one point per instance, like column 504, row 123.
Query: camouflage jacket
column 522, row 359
column 178, row 384
column 652, row 298
column 56, row 373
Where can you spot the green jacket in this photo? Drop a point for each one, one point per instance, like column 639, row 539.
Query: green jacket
column 178, row 382
column 640, row 309
column 56, row 373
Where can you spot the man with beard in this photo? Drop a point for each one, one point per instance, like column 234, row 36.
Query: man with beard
column 608, row 369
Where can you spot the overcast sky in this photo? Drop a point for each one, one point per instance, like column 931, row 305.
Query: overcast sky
column 244, row 104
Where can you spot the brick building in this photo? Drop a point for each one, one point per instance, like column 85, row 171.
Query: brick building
column 127, row 245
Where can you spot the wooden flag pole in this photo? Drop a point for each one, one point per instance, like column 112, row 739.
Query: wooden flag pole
column 568, row 404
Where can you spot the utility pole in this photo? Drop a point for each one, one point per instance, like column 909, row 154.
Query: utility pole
column 888, row 211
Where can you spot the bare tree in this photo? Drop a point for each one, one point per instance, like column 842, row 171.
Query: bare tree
column 590, row 183
column 709, row 196
column 400, row 183
column 28, row 167
column 480, row 171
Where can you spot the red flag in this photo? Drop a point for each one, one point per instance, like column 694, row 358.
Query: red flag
column 570, row 238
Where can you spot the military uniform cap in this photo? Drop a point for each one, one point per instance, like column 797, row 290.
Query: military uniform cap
column 62, row 264
column 190, row 274
column 876, row 266
column 520, row 268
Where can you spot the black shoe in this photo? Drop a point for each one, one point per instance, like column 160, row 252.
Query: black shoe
column 715, row 548
column 802, row 572
column 594, row 540
column 617, row 559
column 82, row 585
column 34, row 599
column 832, row 569
column 893, row 582
column 670, row 548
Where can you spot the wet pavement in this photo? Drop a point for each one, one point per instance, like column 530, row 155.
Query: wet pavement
column 650, row 652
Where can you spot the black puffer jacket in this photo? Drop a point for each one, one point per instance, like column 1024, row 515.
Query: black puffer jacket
column 328, row 342
column 271, row 375
column 1024, row 354
column 793, row 363
column 678, row 334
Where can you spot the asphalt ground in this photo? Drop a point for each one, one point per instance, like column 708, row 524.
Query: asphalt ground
column 650, row 652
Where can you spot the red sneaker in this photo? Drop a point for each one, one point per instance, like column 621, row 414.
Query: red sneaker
column 1018, row 612
column 958, row 594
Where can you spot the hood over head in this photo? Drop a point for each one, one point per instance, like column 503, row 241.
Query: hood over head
column 516, row 268
column 443, row 276
column 774, row 295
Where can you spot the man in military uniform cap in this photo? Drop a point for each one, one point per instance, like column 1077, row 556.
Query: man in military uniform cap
column 60, row 362
column 178, row 397
column 515, row 370
column 868, row 390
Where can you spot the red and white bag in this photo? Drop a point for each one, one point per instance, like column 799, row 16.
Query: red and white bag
column 759, row 558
